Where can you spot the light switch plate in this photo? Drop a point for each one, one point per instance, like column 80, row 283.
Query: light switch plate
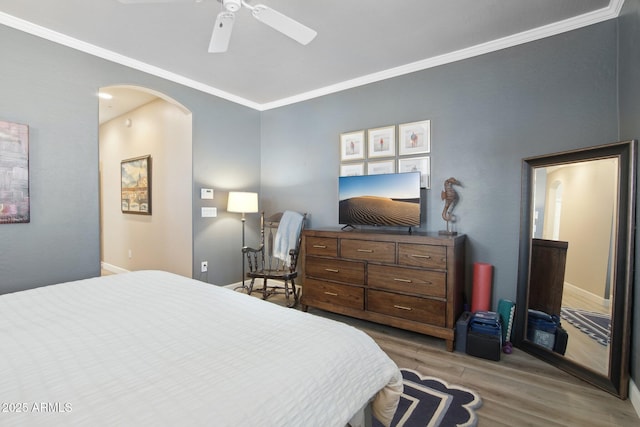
column 209, row 212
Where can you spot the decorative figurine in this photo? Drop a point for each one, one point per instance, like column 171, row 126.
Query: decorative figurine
column 450, row 197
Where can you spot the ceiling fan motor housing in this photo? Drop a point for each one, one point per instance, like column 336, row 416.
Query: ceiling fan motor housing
column 232, row 5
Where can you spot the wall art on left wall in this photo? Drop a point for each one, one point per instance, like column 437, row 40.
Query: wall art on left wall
column 14, row 173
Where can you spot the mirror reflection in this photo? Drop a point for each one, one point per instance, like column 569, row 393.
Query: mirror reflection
column 573, row 230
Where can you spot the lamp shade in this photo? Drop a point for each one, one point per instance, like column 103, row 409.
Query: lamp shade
column 243, row 202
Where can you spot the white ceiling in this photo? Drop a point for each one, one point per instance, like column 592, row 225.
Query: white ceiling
column 122, row 100
column 358, row 42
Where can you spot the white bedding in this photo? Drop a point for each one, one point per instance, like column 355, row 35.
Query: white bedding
column 153, row 348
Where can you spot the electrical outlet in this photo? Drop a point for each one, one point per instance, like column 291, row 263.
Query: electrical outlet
column 204, row 265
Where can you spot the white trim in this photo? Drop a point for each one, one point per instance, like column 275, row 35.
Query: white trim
column 54, row 36
column 113, row 268
column 593, row 298
column 524, row 37
column 606, row 13
column 634, row 396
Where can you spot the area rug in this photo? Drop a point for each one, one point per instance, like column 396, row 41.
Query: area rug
column 429, row 401
column 595, row 325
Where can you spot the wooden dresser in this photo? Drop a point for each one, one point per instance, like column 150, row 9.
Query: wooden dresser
column 409, row 281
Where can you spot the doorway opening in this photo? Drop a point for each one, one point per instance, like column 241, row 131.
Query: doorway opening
column 136, row 122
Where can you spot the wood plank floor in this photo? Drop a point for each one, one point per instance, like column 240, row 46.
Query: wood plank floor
column 519, row 390
column 581, row 348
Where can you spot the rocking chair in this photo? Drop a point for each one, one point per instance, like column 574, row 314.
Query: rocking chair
column 277, row 257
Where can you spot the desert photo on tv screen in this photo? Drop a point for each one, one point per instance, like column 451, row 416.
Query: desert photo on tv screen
column 383, row 200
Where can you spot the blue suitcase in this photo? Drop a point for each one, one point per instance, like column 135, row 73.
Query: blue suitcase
column 486, row 322
column 542, row 327
column 485, row 335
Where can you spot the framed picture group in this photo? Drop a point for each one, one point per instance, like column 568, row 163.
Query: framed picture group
column 388, row 149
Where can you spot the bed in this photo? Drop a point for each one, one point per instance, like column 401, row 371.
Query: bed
column 154, row 348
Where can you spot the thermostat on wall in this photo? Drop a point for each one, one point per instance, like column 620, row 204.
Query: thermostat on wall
column 206, row 193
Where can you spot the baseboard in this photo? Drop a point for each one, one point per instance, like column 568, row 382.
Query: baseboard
column 634, row 396
column 112, row 268
column 604, row 303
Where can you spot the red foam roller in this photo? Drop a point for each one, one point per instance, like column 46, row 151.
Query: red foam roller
column 481, row 292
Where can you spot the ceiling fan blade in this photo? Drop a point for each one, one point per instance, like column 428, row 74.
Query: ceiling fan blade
column 221, row 32
column 287, row 26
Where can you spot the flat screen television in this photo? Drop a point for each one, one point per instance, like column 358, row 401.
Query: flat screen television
column 380, row 200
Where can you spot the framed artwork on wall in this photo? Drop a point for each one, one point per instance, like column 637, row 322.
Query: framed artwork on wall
column 382, row 142
column 352, row 146
column 421, row 164
column 414, row 138
column 14, row 173
column 352, row 169
column 135, row 178
column 377, row 168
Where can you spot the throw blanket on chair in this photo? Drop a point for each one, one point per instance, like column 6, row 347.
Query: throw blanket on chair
column 287, row 235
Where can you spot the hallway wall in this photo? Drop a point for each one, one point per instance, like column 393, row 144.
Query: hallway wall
column 162, row 240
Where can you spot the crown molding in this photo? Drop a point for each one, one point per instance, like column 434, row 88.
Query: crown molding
column 600, row 15
column 609, row 12
column 56, row 37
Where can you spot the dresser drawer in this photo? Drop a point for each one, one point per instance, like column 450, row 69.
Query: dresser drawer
column 428, row 256
column 332, row 293
column 324, row 246
column 368, row 250
column 421, row 282
column 418, row 309
column 335, row 269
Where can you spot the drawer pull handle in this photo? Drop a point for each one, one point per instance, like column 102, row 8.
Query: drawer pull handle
column 332, row 270
column 421, row 256
column 402, row 280
column 369, row 251
column 320, row 246
column 333, row 294
column 402, row 307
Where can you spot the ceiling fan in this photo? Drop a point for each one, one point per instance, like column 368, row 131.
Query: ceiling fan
column 224, row 22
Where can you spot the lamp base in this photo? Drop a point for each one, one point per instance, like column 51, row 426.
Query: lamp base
column 241, row 288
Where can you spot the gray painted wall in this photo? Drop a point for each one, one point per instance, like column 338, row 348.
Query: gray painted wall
column 629, row 64
column 487, row 113
column 53, row 89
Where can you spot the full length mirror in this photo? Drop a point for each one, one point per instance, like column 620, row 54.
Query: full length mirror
column 576, row 261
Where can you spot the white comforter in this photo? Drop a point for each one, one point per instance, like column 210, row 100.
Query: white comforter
column 153, row 348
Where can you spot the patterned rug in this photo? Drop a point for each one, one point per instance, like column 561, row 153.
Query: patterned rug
column 596, row 325
column 429, row 401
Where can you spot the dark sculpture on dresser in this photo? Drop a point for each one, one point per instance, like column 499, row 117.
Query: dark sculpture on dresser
column 450, row 197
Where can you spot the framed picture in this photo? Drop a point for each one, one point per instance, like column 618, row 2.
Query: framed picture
column 421, row 164
column 135, row 185
column 414, row 138
column 377, row 168
column 352, row 169
column 382, row 142
column 352, row 145
column 14, row 173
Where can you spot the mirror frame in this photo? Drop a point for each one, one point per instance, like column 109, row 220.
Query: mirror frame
column 617, row 380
